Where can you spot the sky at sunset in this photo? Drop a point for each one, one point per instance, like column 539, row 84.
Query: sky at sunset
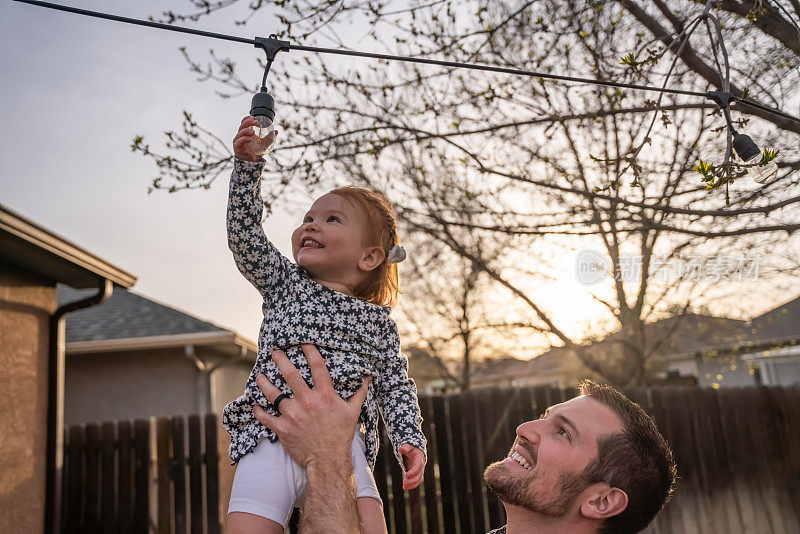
column 75, row 91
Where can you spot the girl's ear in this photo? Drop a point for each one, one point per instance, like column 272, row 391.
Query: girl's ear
column 371, row 258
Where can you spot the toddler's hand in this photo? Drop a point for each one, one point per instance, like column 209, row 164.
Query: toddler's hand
column 243, row 146
column 414, row 461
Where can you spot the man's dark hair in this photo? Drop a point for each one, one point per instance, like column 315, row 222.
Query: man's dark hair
column 638, row 461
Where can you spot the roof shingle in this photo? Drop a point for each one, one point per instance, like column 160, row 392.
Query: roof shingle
column 126, row 315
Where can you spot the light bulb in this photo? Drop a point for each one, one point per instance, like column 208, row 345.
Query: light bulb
column 263, row 110
column 749, row 152
column 762, row 173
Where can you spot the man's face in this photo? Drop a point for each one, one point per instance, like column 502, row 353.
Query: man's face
column 542, row 472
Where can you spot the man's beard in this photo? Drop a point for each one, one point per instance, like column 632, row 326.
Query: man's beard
column 514, row 489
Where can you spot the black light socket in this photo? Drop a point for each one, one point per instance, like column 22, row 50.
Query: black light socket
column 263, row 104
column 745, row 147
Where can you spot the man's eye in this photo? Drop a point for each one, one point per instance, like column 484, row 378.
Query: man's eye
column 563, row 432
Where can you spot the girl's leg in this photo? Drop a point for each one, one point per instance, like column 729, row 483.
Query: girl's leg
column 244, row 523
column 370, row 514
column 264, row 491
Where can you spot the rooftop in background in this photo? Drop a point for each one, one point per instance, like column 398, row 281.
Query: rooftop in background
column 127, row 315
column 682, row 336
column 780, row 324
column 127, row 321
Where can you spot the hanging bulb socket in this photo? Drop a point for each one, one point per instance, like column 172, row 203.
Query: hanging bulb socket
column 263, row 105
column 262, row 109
column 745, row 147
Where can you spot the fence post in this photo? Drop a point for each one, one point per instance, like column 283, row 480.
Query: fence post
column 109, row 476
column 211, row 458
column 92, row 504
column 164, row 499
column 125, row 477
column 195, row 476
column 177, row 474
column 429, row 477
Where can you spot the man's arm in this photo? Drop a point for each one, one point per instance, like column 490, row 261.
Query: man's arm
column 330, row 497
column 316, row 428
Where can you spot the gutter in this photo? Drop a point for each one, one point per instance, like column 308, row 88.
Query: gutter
column 205, row 369
column 161, row 342
column 55, row 404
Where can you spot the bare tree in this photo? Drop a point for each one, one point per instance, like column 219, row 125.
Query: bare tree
column 502, row 169
column 452, row 313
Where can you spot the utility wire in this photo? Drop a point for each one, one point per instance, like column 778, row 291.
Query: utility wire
column 424, row 61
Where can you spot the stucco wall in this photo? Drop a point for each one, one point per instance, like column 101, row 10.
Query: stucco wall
column 129, row 385
column 26, row 304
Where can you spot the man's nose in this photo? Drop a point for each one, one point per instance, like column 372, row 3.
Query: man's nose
column 529, row 430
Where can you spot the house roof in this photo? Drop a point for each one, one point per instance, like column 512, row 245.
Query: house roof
column 29, row 246
column 781, row 323
column 684, row 336
column 544, row 364
column 690, row 333
column 127, row 315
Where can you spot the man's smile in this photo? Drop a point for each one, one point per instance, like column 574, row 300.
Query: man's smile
column 524, row 455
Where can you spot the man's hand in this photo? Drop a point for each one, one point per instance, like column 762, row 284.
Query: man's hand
column 414, row 462
column 316, row 428
column 316, row 425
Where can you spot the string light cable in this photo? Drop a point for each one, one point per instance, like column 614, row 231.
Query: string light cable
column 263, row 102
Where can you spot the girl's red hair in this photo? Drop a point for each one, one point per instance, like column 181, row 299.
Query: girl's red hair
column 382, row 285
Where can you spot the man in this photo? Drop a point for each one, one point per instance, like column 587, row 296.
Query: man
column 594, row 464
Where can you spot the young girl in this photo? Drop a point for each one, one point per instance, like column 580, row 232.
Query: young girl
column 337, row 296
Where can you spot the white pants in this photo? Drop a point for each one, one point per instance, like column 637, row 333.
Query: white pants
column 268, row 483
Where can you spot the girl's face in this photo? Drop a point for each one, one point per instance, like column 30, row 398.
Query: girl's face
column 330, row 242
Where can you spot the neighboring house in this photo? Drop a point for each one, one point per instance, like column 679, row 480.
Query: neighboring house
column 33, row 260
column 687, row 349
column 768, row 353
column 545, row 370
column 131, row 357
column 427, row 373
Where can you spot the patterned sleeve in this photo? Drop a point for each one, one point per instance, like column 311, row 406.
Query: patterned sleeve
column 257, row 259
column 396, row 396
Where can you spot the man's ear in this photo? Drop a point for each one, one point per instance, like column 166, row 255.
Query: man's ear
column 371, row 258
column 604, row 502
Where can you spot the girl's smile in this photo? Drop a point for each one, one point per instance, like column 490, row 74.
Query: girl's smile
column 330, row 241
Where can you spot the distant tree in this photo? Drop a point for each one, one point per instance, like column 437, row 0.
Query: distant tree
column 473, row 160
column 451, row 312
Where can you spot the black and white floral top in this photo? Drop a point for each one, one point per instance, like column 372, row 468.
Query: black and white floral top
column 355, row 337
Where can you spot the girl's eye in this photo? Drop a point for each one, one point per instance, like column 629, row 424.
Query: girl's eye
column 333, row 218
column 307, row 219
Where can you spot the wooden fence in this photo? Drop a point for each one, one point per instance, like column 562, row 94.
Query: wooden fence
column 141, row 477
column 737, row 450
